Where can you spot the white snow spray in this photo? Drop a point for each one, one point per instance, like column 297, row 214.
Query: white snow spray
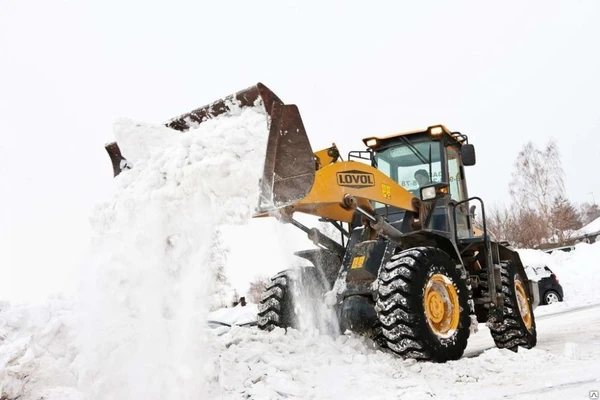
column 145, row 293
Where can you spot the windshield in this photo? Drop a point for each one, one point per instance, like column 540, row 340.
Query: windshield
column 412, row 165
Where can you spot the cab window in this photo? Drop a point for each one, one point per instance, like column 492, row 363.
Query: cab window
column 411, row 165
column 455, row 177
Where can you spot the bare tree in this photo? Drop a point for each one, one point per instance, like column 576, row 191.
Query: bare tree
column 538, row 178
column 522, row 227
column 537, row 181
column 589, row 212
column 531, row 229
column 256, row 289
column 500, row 221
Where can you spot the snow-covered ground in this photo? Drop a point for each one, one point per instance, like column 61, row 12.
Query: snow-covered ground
column 253, row 364
column 137, row 328
column 37, row 362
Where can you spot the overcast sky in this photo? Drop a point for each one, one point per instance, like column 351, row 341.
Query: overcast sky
column 503, row 74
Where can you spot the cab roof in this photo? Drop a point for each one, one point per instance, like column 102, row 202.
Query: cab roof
column 434, row 130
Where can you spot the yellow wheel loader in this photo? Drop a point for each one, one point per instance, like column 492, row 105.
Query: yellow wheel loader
column 412, row 268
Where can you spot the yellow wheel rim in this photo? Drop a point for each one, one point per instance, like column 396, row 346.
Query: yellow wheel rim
column 523, row 303
column 441, row 305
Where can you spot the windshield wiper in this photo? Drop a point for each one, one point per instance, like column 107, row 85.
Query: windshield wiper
column 419, row 155
column 416, row 151
column 430, row 174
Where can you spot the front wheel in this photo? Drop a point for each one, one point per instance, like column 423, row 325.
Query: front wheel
column 294, row 299
column 422, row 305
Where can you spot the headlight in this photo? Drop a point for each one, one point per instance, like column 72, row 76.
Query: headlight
column 436, row 130
column 372, row 142
column 428, row 193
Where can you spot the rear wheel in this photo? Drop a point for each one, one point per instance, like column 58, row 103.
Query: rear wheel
column 551, row 297
column 294, row 299
column 422, row 305
column 518, row 327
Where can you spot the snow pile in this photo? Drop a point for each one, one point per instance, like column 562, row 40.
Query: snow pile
column 578, row 272
column 248, row 363
column 36, row 350
column 275, row 365
column 240, row 363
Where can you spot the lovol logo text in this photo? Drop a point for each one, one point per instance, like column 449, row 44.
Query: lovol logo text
column 355, row 179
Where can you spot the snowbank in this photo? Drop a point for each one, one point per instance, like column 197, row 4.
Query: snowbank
column 578, row 272
column 37, row 347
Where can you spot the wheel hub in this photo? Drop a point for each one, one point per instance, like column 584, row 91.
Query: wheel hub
column 551, row 298
column 441, row 305
column 436, row 306
column 523, row 304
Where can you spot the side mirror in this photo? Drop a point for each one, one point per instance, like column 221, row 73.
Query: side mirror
column 467, row 153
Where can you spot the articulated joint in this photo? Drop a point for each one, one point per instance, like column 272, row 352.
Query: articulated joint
column 349, row 202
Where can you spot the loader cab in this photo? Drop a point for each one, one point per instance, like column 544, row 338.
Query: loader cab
column 431, row 157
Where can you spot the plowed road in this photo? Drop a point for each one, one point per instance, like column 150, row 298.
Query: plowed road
column 573, row 336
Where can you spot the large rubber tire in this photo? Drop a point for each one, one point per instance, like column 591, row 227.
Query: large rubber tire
column 292, row 299
column 513, row 332
column 401, row 308
column 377, row 335
column 275, row 308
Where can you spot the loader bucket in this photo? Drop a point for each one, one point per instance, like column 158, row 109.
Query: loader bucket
column 289, row 167
column 244, row 98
